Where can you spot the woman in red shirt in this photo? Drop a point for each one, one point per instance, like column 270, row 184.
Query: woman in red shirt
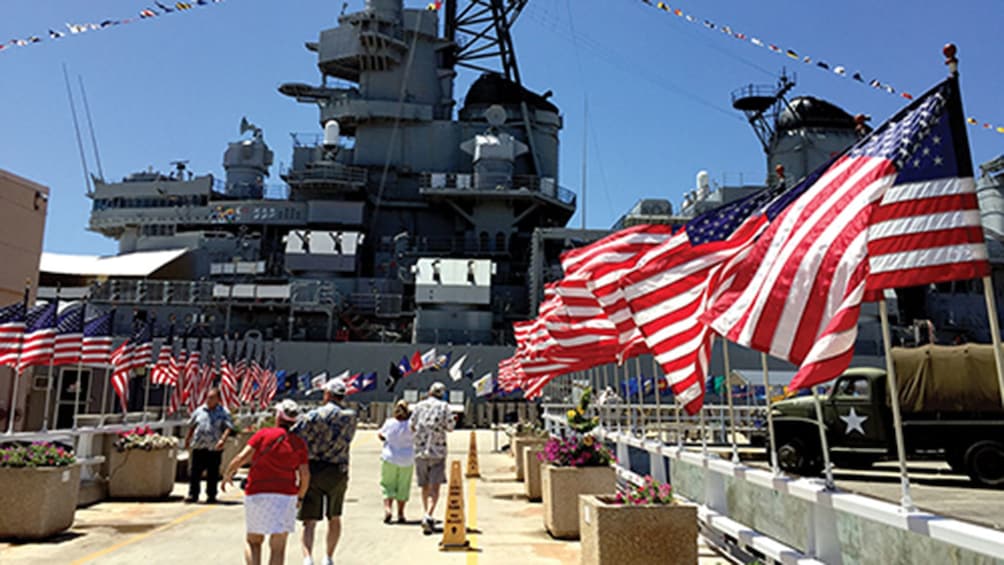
column 276, row 484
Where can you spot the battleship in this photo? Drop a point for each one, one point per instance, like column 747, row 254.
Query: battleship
column 408, row 218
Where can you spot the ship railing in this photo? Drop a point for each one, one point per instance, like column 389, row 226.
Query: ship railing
column 377, row 304
column 342, row 174
column 431, row 181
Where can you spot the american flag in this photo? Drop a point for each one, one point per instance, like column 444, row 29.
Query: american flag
column 669, row 288
column 600, row 266
column 269, row 384
column 162, row 373
column 899, row 209
column 177, row 399
column 11, row 332
column 361, row 382
column 128, row 357
column 69, row 335
column 191, row 372
column 39, row 336
column 97, row 343
column 228, row 385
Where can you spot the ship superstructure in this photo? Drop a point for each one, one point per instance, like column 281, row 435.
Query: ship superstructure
column 403, row 219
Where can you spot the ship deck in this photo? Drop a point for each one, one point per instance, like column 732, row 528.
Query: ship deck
column 510, row 529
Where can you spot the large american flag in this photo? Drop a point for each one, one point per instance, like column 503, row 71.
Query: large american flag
column 899, row 209
column 69, row 335
column 191, row 377
column 177, row 399
column 228, row 385
column 11, row 332
column 39, row 336
column 96, row 346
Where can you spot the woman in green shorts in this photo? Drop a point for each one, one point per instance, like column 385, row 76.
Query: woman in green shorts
column 398, row 461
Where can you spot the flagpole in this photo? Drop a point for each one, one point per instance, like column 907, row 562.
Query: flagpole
column 606, row 405
column 906, row 501
column 656, row 383
column 642, row 421
column 48, row 377
column 770, row 418
column 823, row 443
column 995, row 331
column 80, row 371
column 728, row 389
column 17, row 373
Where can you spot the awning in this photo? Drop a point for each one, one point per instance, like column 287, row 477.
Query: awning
column 139, row 264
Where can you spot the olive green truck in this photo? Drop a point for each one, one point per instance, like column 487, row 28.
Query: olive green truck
column 951, row 408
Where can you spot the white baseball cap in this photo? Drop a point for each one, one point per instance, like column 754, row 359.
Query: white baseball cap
column 335, row 387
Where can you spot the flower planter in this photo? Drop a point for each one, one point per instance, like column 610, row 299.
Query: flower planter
column 560, row 491
column 138, row 473
column 519, row 446
column 39, row 501
column 532, row 468
column 232, row 447
column 649, row 534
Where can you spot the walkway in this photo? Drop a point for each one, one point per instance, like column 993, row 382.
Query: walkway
column 171, row 532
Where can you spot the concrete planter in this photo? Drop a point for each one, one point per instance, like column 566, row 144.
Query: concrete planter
column 232, row 447
column 532, row 469
column 138, row 473
column 560, row 491
column 640, row 535
column 38, row 502
column 519, row 445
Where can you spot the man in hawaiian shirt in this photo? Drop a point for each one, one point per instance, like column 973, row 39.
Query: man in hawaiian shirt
column 209, row 428
column 430, row 422
column 328, row 432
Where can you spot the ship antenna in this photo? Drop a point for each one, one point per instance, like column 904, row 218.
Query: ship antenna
column 76, row 129
column 90, row 126
column 585, row 153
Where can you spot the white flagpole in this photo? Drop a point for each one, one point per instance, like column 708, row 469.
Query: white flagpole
column 823, row 443
column 641, row 398
column 995, row 331
column 906, row 501
column 16, row 372
column 79, row 384
column 656, row 382
column 728, row 389
column 770, row 419
column 48, row 377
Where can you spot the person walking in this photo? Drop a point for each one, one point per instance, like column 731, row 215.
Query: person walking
column 398, row 460
column 328, row 432
column 430, row 422
column 209, row 428
column 277, row 481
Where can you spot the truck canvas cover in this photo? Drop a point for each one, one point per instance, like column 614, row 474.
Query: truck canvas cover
column 940, row 378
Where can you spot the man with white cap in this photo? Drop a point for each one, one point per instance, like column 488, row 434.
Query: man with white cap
column 328, row 431
column 430, row 422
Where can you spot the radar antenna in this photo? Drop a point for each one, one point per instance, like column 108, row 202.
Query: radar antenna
column 762, row 104
column 481, row 30
column 247, row 126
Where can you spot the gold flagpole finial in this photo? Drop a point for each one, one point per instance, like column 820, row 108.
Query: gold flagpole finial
column 953, row 64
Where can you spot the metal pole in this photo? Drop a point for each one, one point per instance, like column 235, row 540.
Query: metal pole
column 13, row 401
column 823, row 443
column 770, row 419
column 76, row 396
column 728, row 389
column 104, row 400
column 48, row 394
column 995, row 331
column 704, row 437
column 906, row 501
column 605, row 414
column 656, row 383
column 679, row 421
column 641, row 398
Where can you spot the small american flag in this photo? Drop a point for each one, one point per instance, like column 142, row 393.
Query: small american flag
column 69, row 335
column 162, row 370
column 228, row 385
column 132, row 354
column 11, row 332
column 39, row 336
column 97, row 343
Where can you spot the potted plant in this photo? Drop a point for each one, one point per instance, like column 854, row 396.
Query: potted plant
column 574, row 466
column 527, row 436
column 39, row 485
column 142, row 464
column 532, row 470
column 642, row 525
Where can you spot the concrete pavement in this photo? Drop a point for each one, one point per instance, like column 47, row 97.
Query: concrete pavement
column 511, row 529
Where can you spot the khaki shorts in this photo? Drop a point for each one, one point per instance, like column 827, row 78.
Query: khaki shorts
column 430, row 471
column 326, row 492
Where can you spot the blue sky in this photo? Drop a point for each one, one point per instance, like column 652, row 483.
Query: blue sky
column 658, row 87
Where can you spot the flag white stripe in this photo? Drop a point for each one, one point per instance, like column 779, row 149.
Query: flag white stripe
column 928, row 189
column 919, row 258
column 926, row 223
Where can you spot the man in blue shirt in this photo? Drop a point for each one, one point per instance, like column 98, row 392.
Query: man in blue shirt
column 328, row 432
column 209, row 428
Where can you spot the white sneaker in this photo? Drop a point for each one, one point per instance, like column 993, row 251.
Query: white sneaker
column 308, row 561
column 329, row 561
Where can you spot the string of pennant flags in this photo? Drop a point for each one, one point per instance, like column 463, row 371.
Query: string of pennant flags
column 834, row 69
column 161, row 9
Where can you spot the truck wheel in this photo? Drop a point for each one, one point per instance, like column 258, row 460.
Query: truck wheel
column 985, row 463
column 794, row 457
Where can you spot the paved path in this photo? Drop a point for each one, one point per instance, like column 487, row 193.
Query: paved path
column 171, row 532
